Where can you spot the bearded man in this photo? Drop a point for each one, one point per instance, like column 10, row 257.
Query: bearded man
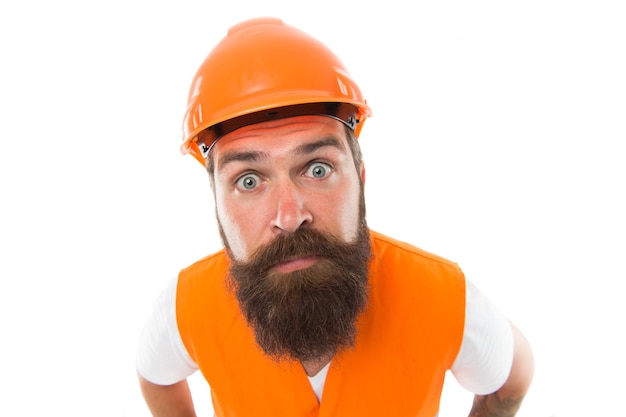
column 306, row 311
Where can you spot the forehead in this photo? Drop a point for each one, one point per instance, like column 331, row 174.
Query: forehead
column 287, row 132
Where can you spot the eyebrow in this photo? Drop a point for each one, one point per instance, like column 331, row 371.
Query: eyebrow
column 242, row 156
column 311, row 147
column 254, row 156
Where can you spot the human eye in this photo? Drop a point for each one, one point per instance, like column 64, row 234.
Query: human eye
column 248, row 182
column 318, row 170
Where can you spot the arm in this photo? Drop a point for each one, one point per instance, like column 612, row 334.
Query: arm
column 168, row 400
column 162, row 358
column 506, row 401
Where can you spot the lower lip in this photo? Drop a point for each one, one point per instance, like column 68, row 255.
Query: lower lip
column 296, row 264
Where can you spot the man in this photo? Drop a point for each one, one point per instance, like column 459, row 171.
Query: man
column 306, row 311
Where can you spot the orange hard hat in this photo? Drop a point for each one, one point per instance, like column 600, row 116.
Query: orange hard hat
column 262, row 70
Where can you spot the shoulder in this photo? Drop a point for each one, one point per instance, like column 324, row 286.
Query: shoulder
column 161, row 357
column 486, row 353
column 403, row 258
column 383, row 244
column 403, row 274
column 202, row 291
column 217, row 260
column 204, row 273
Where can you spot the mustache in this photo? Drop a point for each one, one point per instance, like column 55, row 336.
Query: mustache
column 303, row 242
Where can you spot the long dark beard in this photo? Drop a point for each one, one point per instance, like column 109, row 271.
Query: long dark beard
column 310, row 313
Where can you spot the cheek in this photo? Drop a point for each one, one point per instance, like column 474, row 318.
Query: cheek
column 232, row 235
column 347, row 213
column 244, row 227
column 230, row 222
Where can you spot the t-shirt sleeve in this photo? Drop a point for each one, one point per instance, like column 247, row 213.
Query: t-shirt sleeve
column 161, row 356
column 486, row 355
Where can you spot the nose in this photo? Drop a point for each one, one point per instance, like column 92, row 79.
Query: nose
column 291, row 210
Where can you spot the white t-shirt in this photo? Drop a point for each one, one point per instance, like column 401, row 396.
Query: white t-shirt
column 482, row 365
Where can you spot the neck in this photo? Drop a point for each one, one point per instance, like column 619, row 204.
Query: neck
column 313, row 366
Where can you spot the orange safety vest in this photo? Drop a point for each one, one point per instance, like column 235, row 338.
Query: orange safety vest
column 407, row 339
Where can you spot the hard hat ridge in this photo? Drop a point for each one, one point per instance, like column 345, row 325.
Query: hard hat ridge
column 263, row 70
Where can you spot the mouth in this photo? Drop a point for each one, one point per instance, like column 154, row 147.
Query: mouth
column 296, row 264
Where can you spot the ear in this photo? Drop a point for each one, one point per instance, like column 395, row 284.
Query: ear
column 362, row 172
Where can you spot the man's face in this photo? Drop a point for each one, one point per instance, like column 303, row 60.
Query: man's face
column 276, row 177
column 291, row 214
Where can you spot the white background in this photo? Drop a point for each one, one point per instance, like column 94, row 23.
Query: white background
column 497, row 141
